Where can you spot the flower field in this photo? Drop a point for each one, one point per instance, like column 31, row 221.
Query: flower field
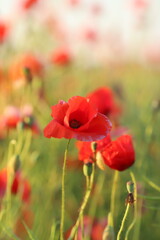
column 79, row 129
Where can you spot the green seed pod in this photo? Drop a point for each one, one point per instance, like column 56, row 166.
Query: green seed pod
column 28, row 121
column 130, row 187
column 108, row 233
column 87, row 169
column 28, row 74
column 100, row 161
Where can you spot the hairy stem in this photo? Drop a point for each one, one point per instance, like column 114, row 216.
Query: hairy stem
column 63, row 193
column 83, row 205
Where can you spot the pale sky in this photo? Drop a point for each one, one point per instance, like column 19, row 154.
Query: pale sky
column 116, row 14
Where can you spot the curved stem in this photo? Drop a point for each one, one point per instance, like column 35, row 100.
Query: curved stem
column 63, row 193
column 84, row 203
column 149, row 197
column 135, row 207
column 123, row 221
column 113, row 194
column 152, row 184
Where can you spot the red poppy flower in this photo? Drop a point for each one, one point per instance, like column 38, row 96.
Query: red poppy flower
column 61, row 57
column 103, row 98
column 140, row 4
column 85, row 150
column 90, row 35
column 3, row 182
column 27, row 4
column 18, row 184
column 119, row 154
column 92, row 227
column 78, row 118
column 28, row 61
column 11, row 116
column 3, row 31
column 73, row 2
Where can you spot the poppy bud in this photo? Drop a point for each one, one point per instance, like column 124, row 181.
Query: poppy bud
column 17, row 163
column 94, row 146
column 87, row 169
column 28, row 121
column 108, row 233
column 130, row 187
column 28, row 74
column 100, row 161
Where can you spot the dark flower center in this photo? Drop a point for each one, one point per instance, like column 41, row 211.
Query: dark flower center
column 74, row 123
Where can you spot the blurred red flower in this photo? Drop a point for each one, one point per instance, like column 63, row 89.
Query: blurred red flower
column 27, row 4
column 13, row 115
column 90, row 35
column 19, row 185
column 78, row 118
column 119, row 154
column 61, row 57
column 96, row 8
column 103, row 98
column 28, row 61
column 3, row 31
column 73, row 2
column 92, row 227
column 140, row 4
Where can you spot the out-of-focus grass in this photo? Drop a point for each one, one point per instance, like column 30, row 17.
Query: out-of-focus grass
column 42, row 164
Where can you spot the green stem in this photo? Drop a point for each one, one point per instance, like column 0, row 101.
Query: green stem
column 84, row 203
column 149, row 197
column 10, row 175
column 82, row 227
column 123, row 221
column 152, row 184
column 113, row 194
column 135, row 207
column 28, row 139
column 63, row 192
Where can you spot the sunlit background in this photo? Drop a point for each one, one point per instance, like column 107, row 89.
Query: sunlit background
column 95, row 30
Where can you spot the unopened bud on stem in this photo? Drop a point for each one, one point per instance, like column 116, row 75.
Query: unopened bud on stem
column 28, row 74
column 108, row 233
column 87, row 169
column 130, row 187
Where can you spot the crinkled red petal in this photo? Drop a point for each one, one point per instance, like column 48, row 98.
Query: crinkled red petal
column 119, row 154
column 80, row 109
column 59, row 111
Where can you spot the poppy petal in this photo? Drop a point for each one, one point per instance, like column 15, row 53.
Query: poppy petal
column 54, row 129
column 98, row 128
column 59, row 111
column 80, row 109
column 119, row 154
